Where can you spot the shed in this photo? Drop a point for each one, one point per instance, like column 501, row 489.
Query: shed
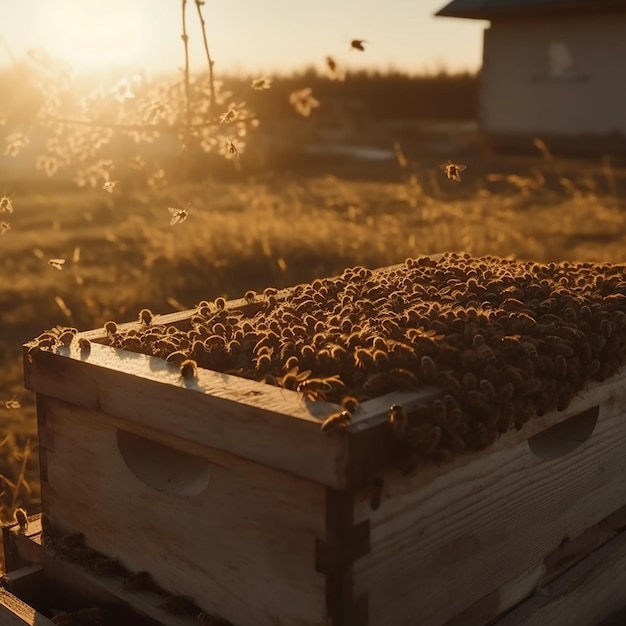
column 551, row 69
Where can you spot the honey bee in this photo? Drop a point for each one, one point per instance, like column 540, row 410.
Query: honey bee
column 232, row 149
column 110, row 327
column 357, row 44
column 249, row 296
column 398, row 420
column 486, row 355
column 107, row 566
column 189, row 369
column 145, row 317
column 452, row 170
column 63, row 619
column 22, row 519
column 336, row 421
column 5, row 204
column 376, row 493
column 429, row 369
column 56, row 263
column 4, row 227
column 220, row 303
column 13, row 403
column 350, row 404
column 138, row 581
column 178, row 215
column 178, row 605
column 109, row 184
column 424, row 438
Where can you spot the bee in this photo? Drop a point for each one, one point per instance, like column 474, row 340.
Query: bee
column 424, row 438
column 530, row 386
column 63, row 619
column 429, row 369
column 56, row 263
column 486, row 355
column 398, row 420
column 336, row 421
column 13, row 403
column 110, row 327
column 261, row 83
column 4, row 227
column 109, row 184
column 138, row 581
column 376, row 493
column 5, row 204
column 530, row 350
column 107, row 566
column 145, row 317
column 249, row 296
column 178, row 215
column 220, row 303
column 232, row 149
column 350, row 404
column 178, row 605
column 189, row 369
column 452, row 170
column 357, row 44
column 22, row 519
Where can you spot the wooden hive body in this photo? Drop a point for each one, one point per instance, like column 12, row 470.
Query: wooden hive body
column 225, row 490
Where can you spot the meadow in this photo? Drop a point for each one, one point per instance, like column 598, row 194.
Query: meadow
column 278, row 230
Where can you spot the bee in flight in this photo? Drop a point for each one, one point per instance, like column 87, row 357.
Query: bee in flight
column 452, row 170
column 178, row 215
column 357, row 44
column 56, row 263
column 109, row 184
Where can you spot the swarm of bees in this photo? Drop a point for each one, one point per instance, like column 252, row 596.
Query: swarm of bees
column 504, row 341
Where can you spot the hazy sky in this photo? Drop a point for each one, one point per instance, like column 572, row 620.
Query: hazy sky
column 248, row 35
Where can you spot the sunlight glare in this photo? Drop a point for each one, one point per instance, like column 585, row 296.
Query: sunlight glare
column 93, row 35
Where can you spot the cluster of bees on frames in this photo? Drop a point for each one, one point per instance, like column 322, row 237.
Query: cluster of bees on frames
column 72, row 547
column 503, row 340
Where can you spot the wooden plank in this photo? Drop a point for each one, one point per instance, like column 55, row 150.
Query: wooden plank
column 243, row 546
column 569, row 552
column 256, row 421
column 261, row 422
column 431, row 535
column 586, row 594
column 14, row 612
column 27, row 583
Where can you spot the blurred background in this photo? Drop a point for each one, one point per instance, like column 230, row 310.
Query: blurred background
column 300, row 139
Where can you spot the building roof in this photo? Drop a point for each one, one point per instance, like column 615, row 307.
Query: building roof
column 490, row 9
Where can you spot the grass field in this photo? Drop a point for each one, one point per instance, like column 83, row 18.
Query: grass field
column 122, row 254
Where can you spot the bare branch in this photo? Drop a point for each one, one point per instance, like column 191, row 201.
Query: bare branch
column 199, row 4
column 185, row 38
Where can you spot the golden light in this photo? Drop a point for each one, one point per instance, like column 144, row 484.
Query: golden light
column 97, row 35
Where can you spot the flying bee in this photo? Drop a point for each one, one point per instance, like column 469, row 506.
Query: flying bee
column 56, row 263
column 336, row 421
column 452, row 170
column 178, row 605
column 232, row 149
column 357, row 44
column 22, row 519
column 13, row 403
column 376, row 493
column 109, row 184
column 5, row 204
column 189, row 369
column 178, row 215
column 398, row 420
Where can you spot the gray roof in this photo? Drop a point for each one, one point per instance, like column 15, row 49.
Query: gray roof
column 489, row 9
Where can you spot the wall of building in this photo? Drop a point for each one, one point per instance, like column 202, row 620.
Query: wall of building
column 559, row 76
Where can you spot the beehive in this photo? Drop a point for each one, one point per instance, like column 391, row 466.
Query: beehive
column 225, row 489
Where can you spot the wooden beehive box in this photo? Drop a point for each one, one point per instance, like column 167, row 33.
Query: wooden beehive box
column 225, row 490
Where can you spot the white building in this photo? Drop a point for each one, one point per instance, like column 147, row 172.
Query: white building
column 553, row 69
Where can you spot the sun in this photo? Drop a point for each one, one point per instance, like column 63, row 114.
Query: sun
column 95, row 35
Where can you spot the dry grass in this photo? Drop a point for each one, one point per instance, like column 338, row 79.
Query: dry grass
column 249, row 236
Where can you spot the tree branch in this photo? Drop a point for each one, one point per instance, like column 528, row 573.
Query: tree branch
column 212, row 102
column 185, row 38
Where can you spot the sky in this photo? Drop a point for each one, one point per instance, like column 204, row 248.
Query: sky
column 245, row 36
